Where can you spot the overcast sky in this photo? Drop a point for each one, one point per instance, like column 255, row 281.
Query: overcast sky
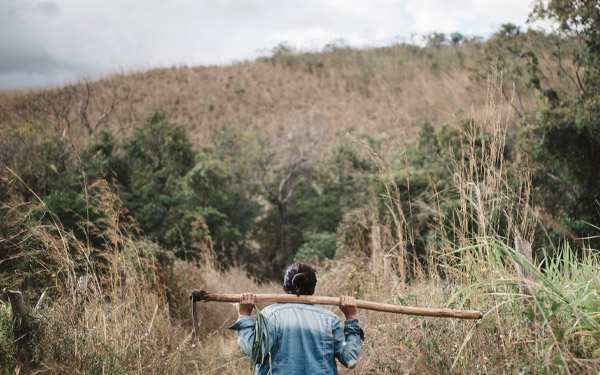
column 55, row 41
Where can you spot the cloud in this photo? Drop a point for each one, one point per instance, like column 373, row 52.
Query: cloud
column 49, row 8
column 466, row 16
column 43, row 42
column 26, row 53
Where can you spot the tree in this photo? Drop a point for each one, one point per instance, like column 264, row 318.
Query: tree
column 512, row 53
column 118, row 94
column 307, row 196
column 435, row 39
column 285, row 172
column 563, row 136
column 158, row 157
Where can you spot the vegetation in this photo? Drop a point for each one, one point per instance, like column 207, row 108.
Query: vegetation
column 112, row 210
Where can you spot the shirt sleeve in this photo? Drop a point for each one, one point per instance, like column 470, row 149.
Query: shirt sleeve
column 347, row 342
column 246, row 328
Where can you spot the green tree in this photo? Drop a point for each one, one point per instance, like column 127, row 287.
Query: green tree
column 563, row 136
column 227, row 207
column 318, row 246
column 158, row 157
column 321, row 195
column 436, row 39
column 513, row 54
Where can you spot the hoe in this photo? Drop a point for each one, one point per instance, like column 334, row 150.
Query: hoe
column 201, row 295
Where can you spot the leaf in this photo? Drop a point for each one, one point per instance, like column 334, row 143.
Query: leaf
column 530, row 313
column 558, row 360
column 559, row 333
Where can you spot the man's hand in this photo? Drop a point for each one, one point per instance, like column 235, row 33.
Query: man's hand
column 348, row 307
column 247, row 301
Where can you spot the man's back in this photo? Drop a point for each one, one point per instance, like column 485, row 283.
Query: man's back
column 302, row 339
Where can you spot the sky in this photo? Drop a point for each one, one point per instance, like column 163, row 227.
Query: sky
column 52, row 42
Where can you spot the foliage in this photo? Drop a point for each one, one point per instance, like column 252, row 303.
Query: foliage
column 424, row 193
column 457, row 38
column 7, row 361
column 560, row 136
column 436, row 39
column 74, row 213
column 561, row 310
column 322, row 197
column 318, row 246
column 513, row 53
column 262, row 341
column 158, row 155
column 182, row 199
column 563, row 136
column 124, row 297
column 223, row 199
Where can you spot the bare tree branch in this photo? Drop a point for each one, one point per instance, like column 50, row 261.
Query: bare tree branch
column 579, row 59
column 577, row 87
column 510, row 101
column 115, row 100
column 516, row 88
column 84, row 107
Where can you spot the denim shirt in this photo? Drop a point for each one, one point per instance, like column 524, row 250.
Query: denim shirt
column 304, row 339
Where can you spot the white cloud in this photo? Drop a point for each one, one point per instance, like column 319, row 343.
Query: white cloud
column 465, row 16
column 45, row 41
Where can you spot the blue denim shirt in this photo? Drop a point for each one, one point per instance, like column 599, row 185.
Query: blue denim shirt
column 305, row 339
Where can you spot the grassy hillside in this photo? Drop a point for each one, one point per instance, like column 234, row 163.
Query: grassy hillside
column 379, row 91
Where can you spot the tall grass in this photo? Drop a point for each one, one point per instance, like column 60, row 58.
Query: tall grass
column 132, row 316
column 473, row 265
column 564, row 301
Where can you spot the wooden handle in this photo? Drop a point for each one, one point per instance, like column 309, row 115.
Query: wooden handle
column 195, row 320
column 335, row 301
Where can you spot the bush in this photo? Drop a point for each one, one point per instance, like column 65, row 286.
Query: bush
column 318, row 246
column 7, row 359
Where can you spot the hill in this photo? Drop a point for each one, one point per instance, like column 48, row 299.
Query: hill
column 376, row 91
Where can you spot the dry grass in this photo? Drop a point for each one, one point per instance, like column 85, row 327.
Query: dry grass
column 373, row 91
column 124, row 322
column 133, row 316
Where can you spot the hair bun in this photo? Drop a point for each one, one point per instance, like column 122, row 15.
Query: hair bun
column 299, row 282
column 299, row 279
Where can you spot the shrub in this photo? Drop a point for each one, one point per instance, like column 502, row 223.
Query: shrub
column 318, row 246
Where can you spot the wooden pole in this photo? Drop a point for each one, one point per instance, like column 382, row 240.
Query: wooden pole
column 21, row 330
column 80, row 292
column 524, row 248
column 376, row 254
column 387, row 267
column 201, row 295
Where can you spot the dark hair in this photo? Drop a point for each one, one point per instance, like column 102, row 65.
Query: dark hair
column 300, row 278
